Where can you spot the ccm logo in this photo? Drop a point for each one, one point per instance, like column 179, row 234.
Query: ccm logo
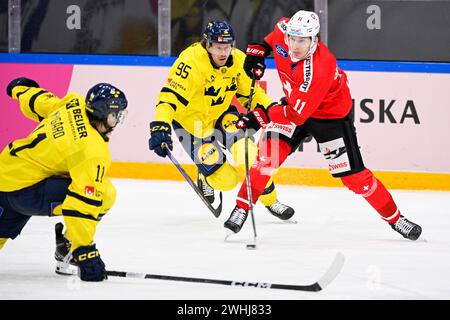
column 88, row 255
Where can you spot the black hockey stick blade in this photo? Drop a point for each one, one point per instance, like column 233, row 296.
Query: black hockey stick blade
column 215, row 211
column 326, row 279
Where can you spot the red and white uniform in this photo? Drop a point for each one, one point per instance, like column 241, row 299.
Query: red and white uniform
column 314, row 87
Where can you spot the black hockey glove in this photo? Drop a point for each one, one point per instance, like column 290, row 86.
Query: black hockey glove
column 160, row 133
column 255, row 119
column 20, row 82
column 254, row 61
column 283, row 101
column 90, row 265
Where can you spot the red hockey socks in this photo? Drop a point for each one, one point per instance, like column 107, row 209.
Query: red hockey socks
column 375, row 193
column 271, row 154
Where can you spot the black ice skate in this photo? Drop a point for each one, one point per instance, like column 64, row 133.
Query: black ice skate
column 236, row 219
column 206, row 190
column 65, row 264
column 281, row 211
column 406, row 228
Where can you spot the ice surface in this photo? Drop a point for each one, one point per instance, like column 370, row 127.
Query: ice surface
column 161, row 227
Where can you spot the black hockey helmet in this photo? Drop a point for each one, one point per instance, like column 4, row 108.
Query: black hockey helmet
column 218, row 31
column 103, row 99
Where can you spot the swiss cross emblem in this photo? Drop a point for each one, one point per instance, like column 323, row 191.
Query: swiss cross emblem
column 258, row 72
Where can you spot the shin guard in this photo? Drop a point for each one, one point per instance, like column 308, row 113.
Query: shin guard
column 375, row 193
column 271, row 155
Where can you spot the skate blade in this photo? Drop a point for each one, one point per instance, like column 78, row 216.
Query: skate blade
column 289, row 221
column 66, row 269
column 228, row 234
column 421, row 239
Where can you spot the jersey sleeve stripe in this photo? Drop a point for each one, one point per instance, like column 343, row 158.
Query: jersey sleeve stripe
column 241, row 96
column 76, row 214
column 174, row 107
column 32, row 144
column 33, row 100
column 179, row 97
column 21, row 93
column 91, row 202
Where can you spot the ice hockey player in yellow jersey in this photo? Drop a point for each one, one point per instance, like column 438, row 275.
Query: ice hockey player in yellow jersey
column 196, row 101
column 60, row 168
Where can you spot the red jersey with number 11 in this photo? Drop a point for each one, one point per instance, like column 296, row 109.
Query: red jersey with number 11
column 314, row 87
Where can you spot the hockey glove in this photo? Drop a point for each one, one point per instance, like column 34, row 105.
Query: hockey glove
column 255, row 119
column 160, row 133
column 254, row 61
column 90, row 265
column 20, row 82
column 283, row 101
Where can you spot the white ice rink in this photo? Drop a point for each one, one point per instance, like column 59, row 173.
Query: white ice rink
column 161, row 227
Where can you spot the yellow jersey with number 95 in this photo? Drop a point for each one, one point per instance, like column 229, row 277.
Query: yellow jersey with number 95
column 196, row 93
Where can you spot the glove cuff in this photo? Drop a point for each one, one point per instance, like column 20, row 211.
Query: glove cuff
column 257, row 50
column 85, row 253
column 261, row 116
column 160, row 126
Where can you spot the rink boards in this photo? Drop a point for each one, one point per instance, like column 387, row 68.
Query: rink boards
column 401, row 115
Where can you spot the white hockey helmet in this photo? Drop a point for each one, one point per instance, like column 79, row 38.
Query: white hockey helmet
column 304, row 24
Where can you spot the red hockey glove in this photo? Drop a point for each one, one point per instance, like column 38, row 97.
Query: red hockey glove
column 255, row 119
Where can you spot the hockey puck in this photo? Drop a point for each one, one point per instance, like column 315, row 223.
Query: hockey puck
column 251, row 246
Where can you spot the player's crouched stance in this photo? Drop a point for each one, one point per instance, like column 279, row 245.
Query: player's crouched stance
column 196, row 102
column 60, row 168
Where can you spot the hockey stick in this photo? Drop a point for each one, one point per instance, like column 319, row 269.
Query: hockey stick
column 319, row 285
column 215, row 211
column 247, row 173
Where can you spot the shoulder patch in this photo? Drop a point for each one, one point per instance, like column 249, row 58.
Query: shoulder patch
column 282, row 26
column 281, row 51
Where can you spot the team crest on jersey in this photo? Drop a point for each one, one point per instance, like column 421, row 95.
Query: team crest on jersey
column 218, row 101
column 211, row 91
column 281, row 51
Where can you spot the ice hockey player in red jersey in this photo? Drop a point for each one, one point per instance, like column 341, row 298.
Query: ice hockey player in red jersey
column 317, row 103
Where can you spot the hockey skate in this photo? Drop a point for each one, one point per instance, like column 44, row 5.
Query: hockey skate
column 205, row 188
column 281, row 211
column 65, row 264
column 406, row 228
column 236, row 219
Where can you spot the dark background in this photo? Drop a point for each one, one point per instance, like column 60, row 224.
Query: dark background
column 410, row 30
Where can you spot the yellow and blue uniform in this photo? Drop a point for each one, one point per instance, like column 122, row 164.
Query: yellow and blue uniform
column 64, row 155
column 196, row 100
